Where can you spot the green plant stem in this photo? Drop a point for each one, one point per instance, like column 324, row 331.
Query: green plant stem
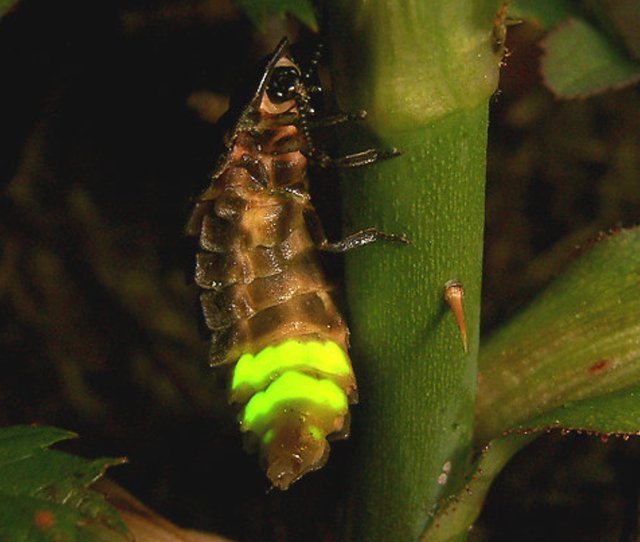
column 424, row 71
column 417, row 384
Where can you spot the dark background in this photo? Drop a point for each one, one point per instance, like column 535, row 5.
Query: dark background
column 106, row 133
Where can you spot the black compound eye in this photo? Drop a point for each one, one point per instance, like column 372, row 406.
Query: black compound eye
column 283, row 84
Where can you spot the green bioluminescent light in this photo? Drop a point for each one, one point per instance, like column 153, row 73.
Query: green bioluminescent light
column 253, row 373
column 295, row 391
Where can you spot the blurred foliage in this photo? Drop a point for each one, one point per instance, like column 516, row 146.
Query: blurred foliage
column 564, row 488
column 596, row 64
column 98, row 322
column 544, row 13
column 560, row 173
column 44, row 494
column 258, row 10
column 6, row 6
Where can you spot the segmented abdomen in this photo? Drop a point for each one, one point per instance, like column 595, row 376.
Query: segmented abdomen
column 268, row 304
column 260, row 273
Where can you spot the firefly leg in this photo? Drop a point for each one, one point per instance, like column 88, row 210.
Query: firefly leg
column 321, row 158
column 358, row 239
column 363, row 158
column 339, row 118
column 361, row 238
column 357, row 159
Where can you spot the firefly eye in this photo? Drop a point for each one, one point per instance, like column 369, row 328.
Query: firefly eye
column 283, row 84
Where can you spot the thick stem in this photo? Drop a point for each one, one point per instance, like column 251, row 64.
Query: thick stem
column 417, row 384
column 424, row 74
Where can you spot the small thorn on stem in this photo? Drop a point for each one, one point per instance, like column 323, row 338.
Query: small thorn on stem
column 453, row 296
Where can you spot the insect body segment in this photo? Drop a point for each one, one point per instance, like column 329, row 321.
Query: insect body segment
column 263, row 293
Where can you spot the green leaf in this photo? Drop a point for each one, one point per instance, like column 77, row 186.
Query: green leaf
column 580, row 61
column 580, row 58
column 545, row 13
column 621, row 19
column 44, row 494
column 612, row 413
column 257, row 10
column 6, row 6
column 19, row 441
column 571, row 359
